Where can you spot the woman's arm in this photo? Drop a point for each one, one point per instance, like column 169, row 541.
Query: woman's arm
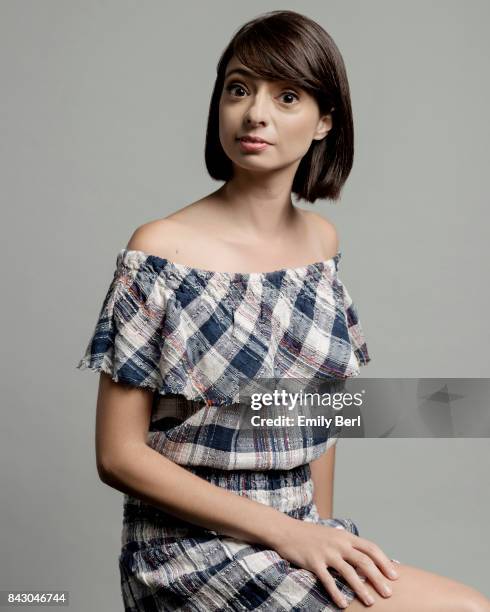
column 126, row 463
column 322, row 474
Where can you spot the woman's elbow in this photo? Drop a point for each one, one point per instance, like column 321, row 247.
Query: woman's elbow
column 105, row 471
column 107, row 467
column 116, row 466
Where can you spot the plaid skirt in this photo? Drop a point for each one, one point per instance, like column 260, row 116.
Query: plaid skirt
column 169, row 564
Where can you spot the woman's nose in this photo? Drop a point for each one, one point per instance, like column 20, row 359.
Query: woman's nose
column 258, row 109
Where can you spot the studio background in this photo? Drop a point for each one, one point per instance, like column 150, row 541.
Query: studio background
column 104, row 109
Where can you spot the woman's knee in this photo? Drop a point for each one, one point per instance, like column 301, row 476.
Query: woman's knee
column 477, row 602
column 416, row 589
column 436, row 593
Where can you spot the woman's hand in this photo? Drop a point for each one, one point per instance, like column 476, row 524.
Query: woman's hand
column 313, row 547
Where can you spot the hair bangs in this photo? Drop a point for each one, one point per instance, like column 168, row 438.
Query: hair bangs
column 274, row 56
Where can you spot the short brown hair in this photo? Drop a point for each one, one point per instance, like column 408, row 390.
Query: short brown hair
column 289, row 46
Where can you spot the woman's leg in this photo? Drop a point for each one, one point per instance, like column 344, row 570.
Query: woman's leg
column 416, row 589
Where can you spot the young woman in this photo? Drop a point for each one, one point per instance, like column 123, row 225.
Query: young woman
column 217, row 517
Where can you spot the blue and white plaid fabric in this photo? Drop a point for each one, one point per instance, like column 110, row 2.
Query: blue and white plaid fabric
column 191, row 335
column 182, row 330
column 168, row 564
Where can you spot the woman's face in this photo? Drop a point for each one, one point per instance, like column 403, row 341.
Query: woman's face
column 278, row 112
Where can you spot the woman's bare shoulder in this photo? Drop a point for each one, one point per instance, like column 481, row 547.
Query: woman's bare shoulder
column 324, row 230
column 150, row 236
column 165, row 236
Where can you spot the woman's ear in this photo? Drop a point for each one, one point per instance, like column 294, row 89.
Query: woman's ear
column 324, row 126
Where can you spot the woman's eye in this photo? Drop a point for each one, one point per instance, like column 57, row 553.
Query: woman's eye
column 233, row 86
column 290, row 93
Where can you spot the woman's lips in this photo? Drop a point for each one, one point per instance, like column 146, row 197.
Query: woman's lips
column 249, row 146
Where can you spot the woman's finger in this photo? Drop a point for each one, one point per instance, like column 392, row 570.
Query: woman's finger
column 377, row 555
column 352, row 577
column 331, row 586
column 367, row 569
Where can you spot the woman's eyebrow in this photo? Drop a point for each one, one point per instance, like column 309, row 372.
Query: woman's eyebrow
column 249, row 73
column 242, row 71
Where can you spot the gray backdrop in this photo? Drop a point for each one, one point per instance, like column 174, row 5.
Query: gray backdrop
column 103, row 115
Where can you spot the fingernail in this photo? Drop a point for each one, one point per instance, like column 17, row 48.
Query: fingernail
column 369, row 600
column 387, row 590
column 344, row 603
column 392, row 573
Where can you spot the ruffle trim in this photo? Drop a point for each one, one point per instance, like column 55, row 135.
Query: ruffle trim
column 145, row 338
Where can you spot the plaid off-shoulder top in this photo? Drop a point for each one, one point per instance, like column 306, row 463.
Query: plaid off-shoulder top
column 191, row 335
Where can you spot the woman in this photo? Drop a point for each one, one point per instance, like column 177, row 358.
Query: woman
column 219, row 517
